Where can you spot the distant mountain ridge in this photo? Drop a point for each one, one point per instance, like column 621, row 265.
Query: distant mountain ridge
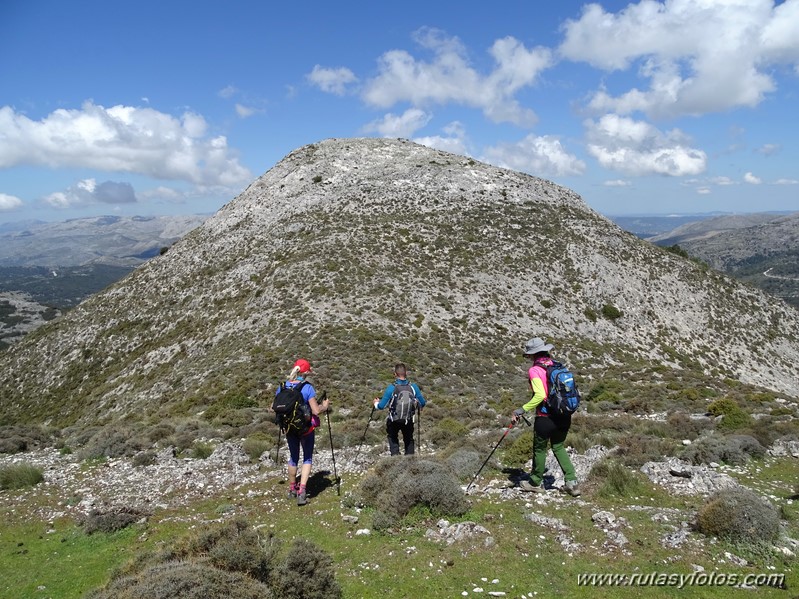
column 762, row 249
column 111, row 240
column 356, row 253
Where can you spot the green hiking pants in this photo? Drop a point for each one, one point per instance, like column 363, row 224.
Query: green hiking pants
column 551, row 431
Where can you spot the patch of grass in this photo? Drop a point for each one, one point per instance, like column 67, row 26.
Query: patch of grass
column 20, row 476
column 615, row 480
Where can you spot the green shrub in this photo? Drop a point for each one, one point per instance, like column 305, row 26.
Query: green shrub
column 733, row 416
column 520, row 451
column 397, row 484
column 201, row 451
column 307, row 572
column 611, row 312
column 738, row 514
column 616, row 480
column 255, row 445
column 447, row 430
column 110, row 521
column 20, row 476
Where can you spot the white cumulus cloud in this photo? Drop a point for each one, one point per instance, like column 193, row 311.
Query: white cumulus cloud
column 404, row 125
column 754, row 180
column 333, row 81
column 121, row 139
column 9, row 202
column 454, row 139
column 638, row 148
column 87, row 192
column 698, row 57
column 450, row 78
column 542, row 156
column 617, row 183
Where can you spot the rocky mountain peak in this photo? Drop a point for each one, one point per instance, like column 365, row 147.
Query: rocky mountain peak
column 356, row 253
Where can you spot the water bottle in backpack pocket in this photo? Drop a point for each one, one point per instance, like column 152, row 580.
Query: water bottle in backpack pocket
column 563, row 397
column 403, row 403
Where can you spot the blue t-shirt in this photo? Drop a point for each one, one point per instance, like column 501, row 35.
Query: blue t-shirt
column 389, row 392
column 307, row 390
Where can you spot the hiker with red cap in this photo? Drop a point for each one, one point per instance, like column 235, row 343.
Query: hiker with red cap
column 300, row 429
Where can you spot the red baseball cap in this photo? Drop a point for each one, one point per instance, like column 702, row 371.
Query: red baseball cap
column 304, row 366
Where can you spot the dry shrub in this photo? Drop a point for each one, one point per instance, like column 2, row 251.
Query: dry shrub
column 113, row 442
column 401, row 483
column 110, row 521
column 184, row 580
column 637, row 449
column 307, row 572
column 235, row 546
column 730, row 449
column 738, row 514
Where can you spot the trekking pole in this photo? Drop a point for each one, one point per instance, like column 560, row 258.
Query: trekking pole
column 332, row 453
column 505, row 434
column 358, row 451
column 277, row 448
column 419, row 430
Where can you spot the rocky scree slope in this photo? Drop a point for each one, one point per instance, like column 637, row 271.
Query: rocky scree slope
column 356, row 253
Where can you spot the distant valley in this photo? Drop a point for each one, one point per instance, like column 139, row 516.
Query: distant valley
column 761, row 249
column 47, row 268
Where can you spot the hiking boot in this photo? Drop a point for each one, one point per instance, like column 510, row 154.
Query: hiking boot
column 301, row 498
column 571, row 488
column 292, row 493
column 526, row 485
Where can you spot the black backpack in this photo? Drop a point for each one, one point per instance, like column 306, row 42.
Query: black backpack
column 563, row 397
column 292, row 413
column 403, row 403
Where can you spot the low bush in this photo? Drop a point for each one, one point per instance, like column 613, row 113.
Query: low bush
column 113, row 442
column 464, row 463
column 637, row 449
column 20, row 476
column 520, row 451
column 201, row 451
column 738, row 514
column 614, row 479
column 186, row 580
column 228, row 561
column 144, row 458
column 733, row 417
column 682, row 426
column 729, row 449
column 19, row 438
column 398, row 484
column 235, row 546
column 307, row 572
column 446, row 431
column 110, row 521
column 255, row 445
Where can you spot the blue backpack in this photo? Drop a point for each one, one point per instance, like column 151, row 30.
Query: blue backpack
column 563, row 397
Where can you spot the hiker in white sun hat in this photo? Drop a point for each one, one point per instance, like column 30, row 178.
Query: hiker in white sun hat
column 550, row 429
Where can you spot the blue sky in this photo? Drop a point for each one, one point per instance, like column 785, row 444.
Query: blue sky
column 143, row 108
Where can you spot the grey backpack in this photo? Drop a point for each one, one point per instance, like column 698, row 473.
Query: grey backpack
column 403, row 403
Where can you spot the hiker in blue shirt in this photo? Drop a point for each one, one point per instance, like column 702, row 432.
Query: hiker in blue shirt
column 402, row 399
